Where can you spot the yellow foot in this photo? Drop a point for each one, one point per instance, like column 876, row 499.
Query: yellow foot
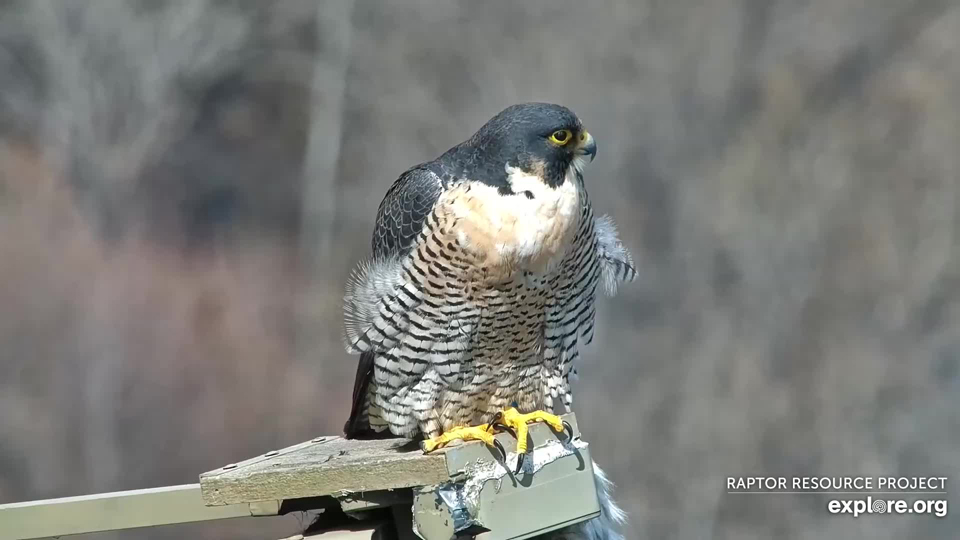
column 482, row 432
column 517, row 422
column 513, row 418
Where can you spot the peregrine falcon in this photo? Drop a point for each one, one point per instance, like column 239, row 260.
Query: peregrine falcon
column 481, row 288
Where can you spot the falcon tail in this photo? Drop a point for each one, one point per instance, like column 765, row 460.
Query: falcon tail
column 358, row 424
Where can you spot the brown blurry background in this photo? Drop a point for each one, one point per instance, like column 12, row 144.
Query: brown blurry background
column 184, row 187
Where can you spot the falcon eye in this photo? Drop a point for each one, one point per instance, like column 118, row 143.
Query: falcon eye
column 561, row 137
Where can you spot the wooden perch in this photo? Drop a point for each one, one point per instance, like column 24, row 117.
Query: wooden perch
column 360, row 487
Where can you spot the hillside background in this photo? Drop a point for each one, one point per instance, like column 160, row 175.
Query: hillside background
column 184, row 187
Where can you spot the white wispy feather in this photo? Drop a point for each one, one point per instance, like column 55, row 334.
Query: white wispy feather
column 368, row 284
column 616, row 263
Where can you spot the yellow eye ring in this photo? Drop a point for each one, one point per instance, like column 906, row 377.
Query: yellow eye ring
column 561, row 137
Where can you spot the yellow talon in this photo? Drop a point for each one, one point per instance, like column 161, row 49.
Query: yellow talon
column 513, row 418
column 462, row 433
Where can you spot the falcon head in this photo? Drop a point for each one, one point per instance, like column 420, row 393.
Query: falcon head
column 543, row 140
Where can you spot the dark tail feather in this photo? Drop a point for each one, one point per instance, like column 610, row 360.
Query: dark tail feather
column 356, row 425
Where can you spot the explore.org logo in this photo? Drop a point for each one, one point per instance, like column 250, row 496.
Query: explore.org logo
column 871, row 495
column 869, row 505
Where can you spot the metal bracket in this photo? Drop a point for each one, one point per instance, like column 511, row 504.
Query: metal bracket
column 556, row 488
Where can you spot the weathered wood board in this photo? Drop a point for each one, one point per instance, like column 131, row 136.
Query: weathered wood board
column 453, row 489
column 338, row 467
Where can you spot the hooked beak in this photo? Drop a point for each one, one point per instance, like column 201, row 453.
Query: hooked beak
column 587, row 146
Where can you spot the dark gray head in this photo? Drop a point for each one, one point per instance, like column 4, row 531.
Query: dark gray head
column 542, row 139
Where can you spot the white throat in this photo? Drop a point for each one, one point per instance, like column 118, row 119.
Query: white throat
column 529, row 230
column 546, row 219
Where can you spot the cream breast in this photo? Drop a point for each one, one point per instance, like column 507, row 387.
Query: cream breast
column 530, row 229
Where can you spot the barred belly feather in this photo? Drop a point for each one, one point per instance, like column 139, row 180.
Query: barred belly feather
column 485, row 311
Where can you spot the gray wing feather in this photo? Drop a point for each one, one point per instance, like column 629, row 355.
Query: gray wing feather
column 376, row 298
column 377, row 295
column 403, row 211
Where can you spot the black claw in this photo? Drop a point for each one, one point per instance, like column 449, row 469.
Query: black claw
column 500, row 427
column 568, row 430
column 520, row 459
column 503, row 452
